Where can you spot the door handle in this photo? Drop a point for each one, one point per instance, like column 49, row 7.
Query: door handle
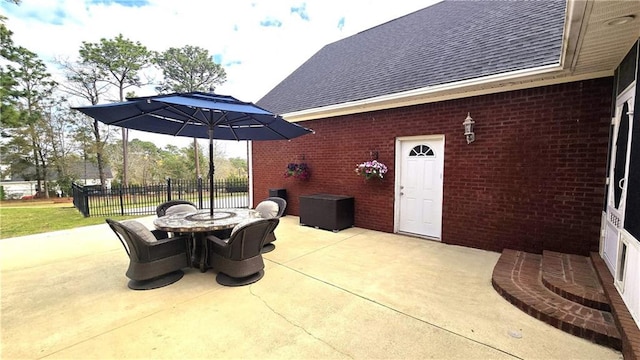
column 621, row 183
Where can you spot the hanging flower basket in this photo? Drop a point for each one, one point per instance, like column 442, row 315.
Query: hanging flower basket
column 371, row 169
column 299, row 171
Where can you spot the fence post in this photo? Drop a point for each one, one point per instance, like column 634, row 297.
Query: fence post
column 80, row 199
column 85, row 197
column 74, row 195
column 121, row 201
column 199, row 186
column 168, row 189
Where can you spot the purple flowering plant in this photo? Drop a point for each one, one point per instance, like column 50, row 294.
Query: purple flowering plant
column 299, row 171
column 371, row 169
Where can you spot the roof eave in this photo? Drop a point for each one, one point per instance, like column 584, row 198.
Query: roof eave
column 515, row 80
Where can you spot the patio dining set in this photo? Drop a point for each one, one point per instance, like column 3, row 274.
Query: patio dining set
column 229, row 241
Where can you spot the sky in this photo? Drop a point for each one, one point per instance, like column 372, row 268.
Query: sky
column 257, row 42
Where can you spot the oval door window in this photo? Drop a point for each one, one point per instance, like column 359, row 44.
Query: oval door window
column 621, row 156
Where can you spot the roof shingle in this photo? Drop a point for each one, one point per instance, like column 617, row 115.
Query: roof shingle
column 447, row 42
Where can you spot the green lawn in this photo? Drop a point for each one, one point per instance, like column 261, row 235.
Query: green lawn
column 40, row 218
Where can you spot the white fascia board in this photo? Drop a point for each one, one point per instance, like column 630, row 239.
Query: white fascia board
column 515, row 80
column 574, row 29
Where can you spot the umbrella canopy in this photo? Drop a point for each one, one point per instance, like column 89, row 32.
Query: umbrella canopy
column 193, row 114
column 197, row 115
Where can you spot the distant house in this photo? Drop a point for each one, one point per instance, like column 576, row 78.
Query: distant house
column 86, row 173
column 551, row 86
column 17, row 186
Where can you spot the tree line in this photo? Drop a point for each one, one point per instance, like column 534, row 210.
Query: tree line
column 42, row 134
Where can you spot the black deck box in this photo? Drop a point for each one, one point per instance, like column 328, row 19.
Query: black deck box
column 326, row 211
column 281, row 193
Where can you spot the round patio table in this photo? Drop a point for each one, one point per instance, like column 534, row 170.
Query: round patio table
column 200, row 224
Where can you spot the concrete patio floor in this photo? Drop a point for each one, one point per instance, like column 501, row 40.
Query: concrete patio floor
column 357, row 294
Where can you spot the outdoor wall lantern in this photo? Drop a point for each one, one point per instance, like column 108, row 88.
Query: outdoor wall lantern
column 468, row 129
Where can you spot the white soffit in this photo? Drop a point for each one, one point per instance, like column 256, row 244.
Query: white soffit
column 604, row 43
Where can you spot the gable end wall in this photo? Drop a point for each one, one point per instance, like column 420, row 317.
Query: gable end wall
column 532, row 180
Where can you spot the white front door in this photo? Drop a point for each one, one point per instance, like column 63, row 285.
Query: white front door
column 617, row 180
column 419, row 183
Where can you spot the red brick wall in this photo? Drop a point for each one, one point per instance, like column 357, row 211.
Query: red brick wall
column 532, row 180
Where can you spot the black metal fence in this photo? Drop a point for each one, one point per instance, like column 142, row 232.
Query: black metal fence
column 93, row 200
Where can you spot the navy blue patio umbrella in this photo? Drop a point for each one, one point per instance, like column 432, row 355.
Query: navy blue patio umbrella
column 197, row 115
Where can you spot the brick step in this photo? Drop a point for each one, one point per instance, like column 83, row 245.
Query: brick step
column 574, row 278
column 518, row 278
column 626, row 324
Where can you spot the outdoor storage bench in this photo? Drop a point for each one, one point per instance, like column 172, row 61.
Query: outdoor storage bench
column 327, row 211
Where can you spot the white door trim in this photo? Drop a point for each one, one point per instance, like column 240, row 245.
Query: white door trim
column 250, row 171
column 398, row 175
column 614, row 217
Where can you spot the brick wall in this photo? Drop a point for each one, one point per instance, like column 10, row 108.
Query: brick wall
column 532, row 180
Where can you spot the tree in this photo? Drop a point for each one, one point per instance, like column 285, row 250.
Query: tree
column 57, row 131
column 83, row 138
column 188, row 69
column 119, row 62
column 223, row 167
column 146, row 161
column 174, row 162
column 193, row 154
column 32, row 87
column 17, row 152
column 240, row 166
column 8, row 92
column 85, row 80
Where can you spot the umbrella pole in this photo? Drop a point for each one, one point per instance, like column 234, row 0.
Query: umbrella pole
column 212, row 170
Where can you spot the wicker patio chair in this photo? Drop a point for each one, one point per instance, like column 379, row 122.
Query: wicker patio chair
column 238, row 259
column 268, row 210
column 175, row 206
column 154, row 260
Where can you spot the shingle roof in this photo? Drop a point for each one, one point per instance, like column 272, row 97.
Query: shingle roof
column 447, row 42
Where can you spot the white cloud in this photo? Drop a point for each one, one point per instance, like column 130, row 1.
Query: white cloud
column 256, row 58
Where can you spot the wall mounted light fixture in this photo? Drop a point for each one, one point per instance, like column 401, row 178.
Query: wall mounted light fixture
column 468, row 129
